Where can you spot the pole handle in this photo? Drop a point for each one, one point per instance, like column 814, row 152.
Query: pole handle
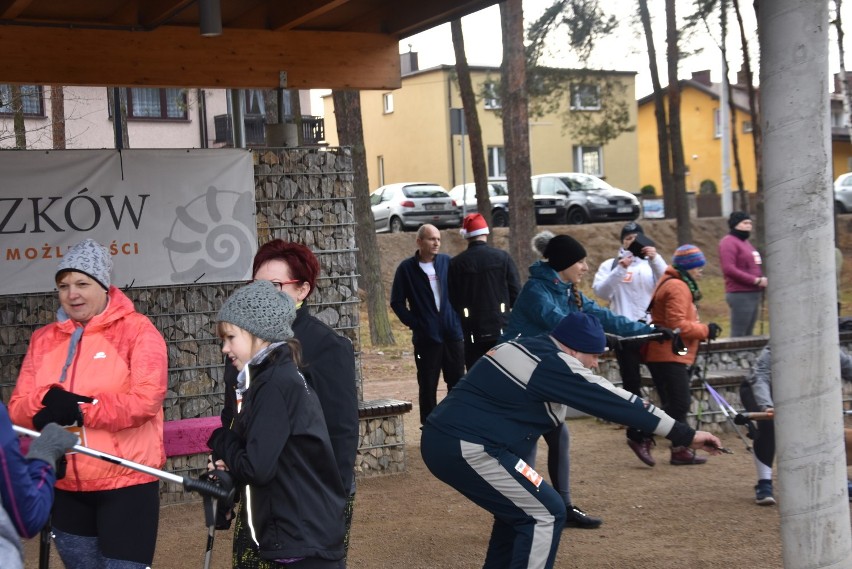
column 208, row 487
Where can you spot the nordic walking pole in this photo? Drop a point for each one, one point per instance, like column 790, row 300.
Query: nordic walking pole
column 721, row 403
column 200, row 486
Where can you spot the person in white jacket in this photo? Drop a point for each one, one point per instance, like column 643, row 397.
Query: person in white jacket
column 627, row 282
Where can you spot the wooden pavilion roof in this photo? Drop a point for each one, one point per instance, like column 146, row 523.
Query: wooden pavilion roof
column 264, row 43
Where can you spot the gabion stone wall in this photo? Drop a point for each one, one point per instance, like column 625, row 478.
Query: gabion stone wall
column 732, row 360
column 302, row 195
column 381, row 447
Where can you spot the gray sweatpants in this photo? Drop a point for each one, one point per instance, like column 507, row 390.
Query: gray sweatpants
column 745, row 307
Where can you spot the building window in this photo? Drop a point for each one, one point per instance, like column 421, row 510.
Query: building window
column 717, row 123
column 387, row 103
column 496, row 162
column 255, row 103
column 491, row 99
column 585, row 97
column 588, row 160
column 156, row 104
column 32, row 100
column 381, row 168
column 838, row 119
column 747, row 128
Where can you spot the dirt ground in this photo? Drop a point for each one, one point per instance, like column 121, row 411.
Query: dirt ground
column 666, row 517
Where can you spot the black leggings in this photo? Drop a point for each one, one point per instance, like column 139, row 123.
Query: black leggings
column 124, row 520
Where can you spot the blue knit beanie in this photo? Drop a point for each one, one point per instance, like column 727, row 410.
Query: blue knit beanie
column 581, row 332
column 688, row 257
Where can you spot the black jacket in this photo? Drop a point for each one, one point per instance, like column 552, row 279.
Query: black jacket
column 279, row 447
column 328, row 364
column 414, row 304
column 483, row 284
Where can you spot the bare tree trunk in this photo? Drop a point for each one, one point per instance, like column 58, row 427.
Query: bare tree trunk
column 17, row 104
column 125, row 136
column 660, row 115
column 471, row 119
column 684, row 225
column 350, row 132
column 516, row 134
column 57, row 113
column 759, row 234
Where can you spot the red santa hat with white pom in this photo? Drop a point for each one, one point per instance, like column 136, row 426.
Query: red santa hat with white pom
column 474, row 225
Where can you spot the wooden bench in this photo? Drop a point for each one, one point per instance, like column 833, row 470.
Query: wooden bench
column 184, row 437
column 382, row 408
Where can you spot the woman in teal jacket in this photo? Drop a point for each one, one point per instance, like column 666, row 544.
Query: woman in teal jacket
column 549, row 295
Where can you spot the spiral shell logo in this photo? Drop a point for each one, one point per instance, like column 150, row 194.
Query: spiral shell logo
column 209, row 241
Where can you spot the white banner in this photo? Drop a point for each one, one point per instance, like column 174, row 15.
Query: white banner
column 167, row 216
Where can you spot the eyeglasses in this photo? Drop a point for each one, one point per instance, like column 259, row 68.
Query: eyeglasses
column 280, row 284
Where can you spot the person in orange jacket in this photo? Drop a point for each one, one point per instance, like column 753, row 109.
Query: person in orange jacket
column 103, row 368
column 674, row 306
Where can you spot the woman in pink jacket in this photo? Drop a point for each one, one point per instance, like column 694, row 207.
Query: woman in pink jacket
column 101, row 368
column 742, row 269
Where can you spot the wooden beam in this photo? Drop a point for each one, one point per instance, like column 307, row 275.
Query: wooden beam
column 173, row 56
column 417, row 17
column 283, row 17
column 157, row 12
column 11, row 9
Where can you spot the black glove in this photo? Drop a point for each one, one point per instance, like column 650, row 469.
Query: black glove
column 714, row 331
column 220, row 441
column 64, row 406
column 667, row 333
column 42, row 418
column 52, row 444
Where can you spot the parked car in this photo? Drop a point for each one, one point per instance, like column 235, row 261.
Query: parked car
column 588, row 198
column 397, row 207
column 548, row 209
column 497, row 194
column 843, row 193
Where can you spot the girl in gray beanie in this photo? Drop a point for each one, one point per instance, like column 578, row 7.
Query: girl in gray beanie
column 278, row 445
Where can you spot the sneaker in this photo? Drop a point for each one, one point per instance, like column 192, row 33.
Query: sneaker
column 683, row 456
column 577, row 518
column 643, row 450
column 763, row 493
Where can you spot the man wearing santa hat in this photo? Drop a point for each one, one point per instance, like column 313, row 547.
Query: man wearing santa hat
column 483, row 284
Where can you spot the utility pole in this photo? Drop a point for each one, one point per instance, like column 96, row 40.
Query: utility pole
column 815, row 528
column 725, row 120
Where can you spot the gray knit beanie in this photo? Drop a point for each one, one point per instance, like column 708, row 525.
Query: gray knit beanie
column 90, row 258
column 262, row 310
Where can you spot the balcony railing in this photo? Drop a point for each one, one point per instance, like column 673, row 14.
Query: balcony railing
column 313, row 129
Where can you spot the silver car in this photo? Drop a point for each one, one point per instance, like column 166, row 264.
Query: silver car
column 497, row 194
column 588, row 198
column 843, row 193
column 549, row 209
column 397, row 207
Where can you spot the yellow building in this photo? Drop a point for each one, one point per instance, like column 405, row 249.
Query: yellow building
column 407, row 132
column 701, row 131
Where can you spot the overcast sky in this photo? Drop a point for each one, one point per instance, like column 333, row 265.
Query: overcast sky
column 624, row 52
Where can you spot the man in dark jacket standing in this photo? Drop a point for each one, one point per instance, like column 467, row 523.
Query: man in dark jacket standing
column 483, row 283
column 420, row 300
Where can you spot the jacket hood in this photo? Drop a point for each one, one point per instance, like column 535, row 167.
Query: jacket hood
column 119, row 306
